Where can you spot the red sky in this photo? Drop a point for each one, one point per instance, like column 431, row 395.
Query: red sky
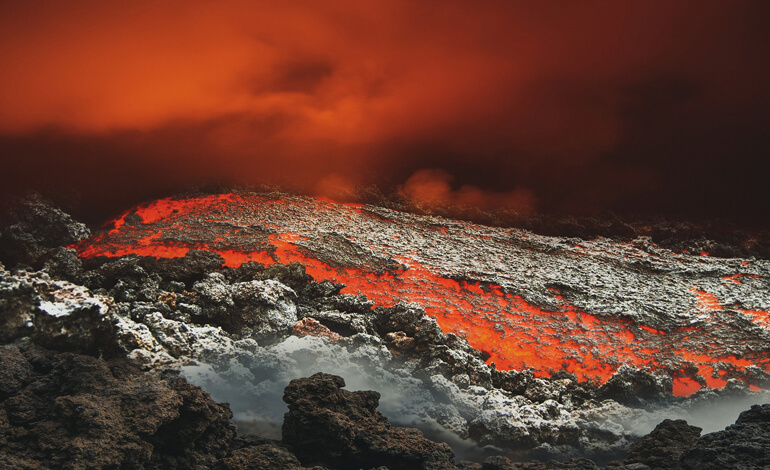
column 579, row 107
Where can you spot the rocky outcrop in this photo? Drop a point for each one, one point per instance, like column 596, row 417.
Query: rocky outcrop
column 309, row 326
column 66, row 410
column 742, row 446
column 52, row 313
column 636, row 388
column 266, row 308
column 33, row 228
column 328, row 425
column 244, row 333
column 503, row 463
column 664, row 446
column 255, row 453
column 589, row 306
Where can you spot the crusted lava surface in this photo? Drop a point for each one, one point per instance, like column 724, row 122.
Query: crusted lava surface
column 527, row 301
column 116, row 349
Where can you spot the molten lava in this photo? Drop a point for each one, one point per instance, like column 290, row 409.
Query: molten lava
column 528, row 301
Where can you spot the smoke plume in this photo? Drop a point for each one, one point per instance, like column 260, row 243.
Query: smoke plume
column 647, row 107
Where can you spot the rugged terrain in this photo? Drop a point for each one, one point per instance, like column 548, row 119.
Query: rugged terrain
column 590, row 306
column 589, row 339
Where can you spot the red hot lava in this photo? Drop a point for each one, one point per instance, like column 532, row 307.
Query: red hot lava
column 459, row 273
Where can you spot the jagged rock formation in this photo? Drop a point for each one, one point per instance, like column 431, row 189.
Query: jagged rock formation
column 430, row 378
column 744, row 445
column 66, row 410
column 342, row 429
column 529, row 301
column 662, row 449
column 243, row 333
column 33, row 229
column 53, row 313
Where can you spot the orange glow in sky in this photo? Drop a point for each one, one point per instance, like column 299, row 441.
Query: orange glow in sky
column 532, row 106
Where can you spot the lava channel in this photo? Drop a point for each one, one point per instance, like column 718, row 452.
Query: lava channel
column 472, row 280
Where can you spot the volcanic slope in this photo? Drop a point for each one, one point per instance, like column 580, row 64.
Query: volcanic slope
column 529, row 301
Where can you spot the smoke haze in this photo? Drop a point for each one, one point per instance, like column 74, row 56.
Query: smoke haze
column 648, row 107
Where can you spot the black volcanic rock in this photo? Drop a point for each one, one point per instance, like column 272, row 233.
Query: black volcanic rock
column 229, row 331
column 292, row 275
column 257, row 453
column 744, row 445
column 125, row 272
column 66, row 410
column 663, row 447
column 633, row 387
column 32, row 227
column 503, row 463
column 189, row 268
column 343, row 429
column 64, row 263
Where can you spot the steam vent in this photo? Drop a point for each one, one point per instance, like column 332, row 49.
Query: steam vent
column 528, row 301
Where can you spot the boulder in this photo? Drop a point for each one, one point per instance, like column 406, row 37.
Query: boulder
column 32, row 227
column 662, row 448
column 342, row 429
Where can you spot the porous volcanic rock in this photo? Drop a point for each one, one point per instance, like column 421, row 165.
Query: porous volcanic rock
column 328, row 425
column 503, row 463
column 309, row 326
column 255, row 453
column 67, row 410
column 54, row 313
column 429, row 379
column 32, row 227
column 230, row 329
column 586, row 306
column 663, row 447
column 636, row 388
column 742, row 446
column 266, row 308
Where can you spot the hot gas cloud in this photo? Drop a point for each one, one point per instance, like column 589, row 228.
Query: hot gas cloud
column 577, row 107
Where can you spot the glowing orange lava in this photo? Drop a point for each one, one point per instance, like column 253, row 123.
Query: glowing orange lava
column 515, row 333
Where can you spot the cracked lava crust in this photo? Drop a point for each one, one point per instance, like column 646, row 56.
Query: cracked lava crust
column 549, row 304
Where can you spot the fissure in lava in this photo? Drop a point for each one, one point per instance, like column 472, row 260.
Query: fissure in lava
column 508, row 292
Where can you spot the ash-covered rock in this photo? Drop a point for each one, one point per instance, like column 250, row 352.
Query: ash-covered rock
column 724, row 239
column 53, row 313
column 245, row 340
column 261, row 309
column 243, row 334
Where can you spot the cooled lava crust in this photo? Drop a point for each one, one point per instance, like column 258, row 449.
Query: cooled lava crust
column 546, row 303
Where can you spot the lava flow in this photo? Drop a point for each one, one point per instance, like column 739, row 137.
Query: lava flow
column 529, row 301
